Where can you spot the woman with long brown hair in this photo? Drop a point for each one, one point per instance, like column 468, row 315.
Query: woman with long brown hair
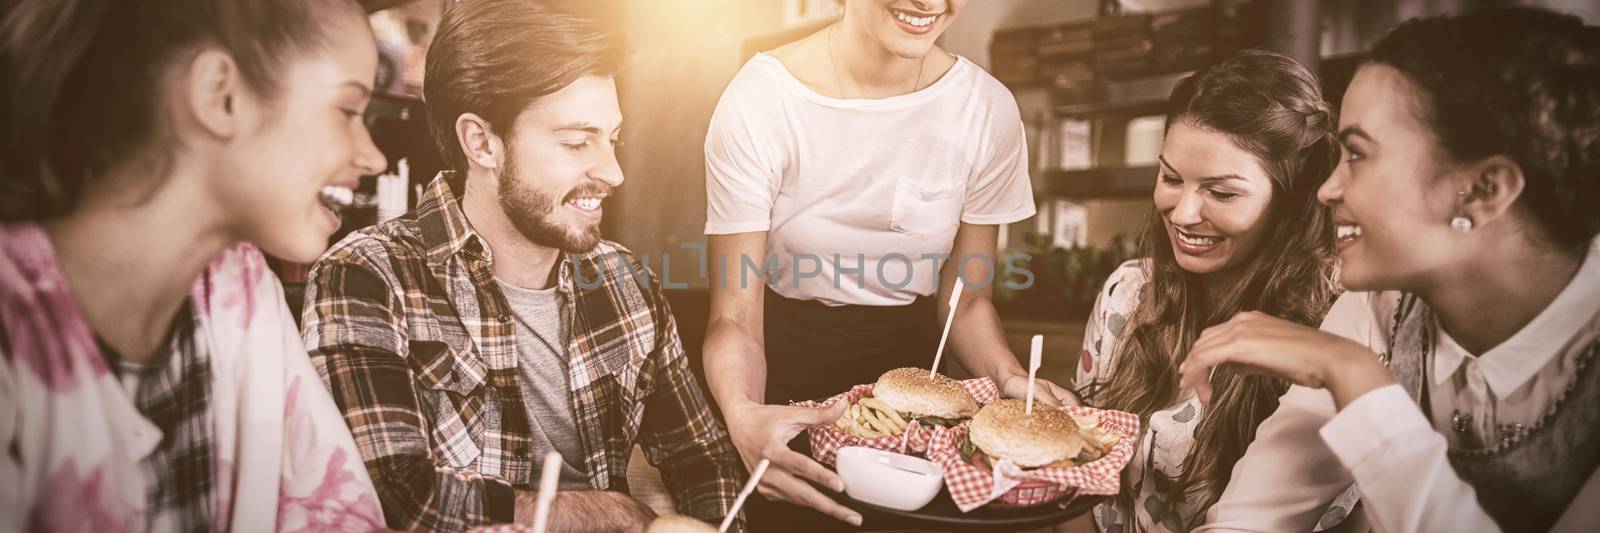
column 151, row 376
column 1235, row 227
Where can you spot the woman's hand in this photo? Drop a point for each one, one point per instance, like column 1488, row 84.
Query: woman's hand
column 764, row 431
column 1262, row 344
column 1045, row 392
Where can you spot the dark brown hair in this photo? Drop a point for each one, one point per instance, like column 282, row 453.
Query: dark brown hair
column 83, row 80
column 1520, row 82
column 1271, row 107
column 493, row 58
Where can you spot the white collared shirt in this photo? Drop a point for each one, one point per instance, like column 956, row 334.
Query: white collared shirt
column 1308, row 452
column 1514, row 382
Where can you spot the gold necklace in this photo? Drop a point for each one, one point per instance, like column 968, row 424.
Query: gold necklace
column 838, row 81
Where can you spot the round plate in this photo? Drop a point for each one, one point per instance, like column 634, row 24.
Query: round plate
column 942, row 514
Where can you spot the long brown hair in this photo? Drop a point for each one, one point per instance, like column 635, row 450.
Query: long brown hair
column 1270, row 106
column 83, row 84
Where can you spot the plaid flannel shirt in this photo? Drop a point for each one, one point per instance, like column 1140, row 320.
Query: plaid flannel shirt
column 411, row 334
column 175, row 395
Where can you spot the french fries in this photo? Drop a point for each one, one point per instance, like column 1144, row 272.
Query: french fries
column 871, row 418
column 1097, row 440
column 1089, row 427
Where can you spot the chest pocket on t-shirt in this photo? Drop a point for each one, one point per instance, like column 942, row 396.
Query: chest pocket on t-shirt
column 927, row 207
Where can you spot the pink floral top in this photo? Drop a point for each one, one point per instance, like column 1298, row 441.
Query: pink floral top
column 73, row 439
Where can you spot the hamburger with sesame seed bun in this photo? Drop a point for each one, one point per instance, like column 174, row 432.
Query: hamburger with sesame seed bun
column 911, row 393
column 1048, row 438
column 904, row 395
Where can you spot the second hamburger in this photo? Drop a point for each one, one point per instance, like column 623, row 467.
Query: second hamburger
column 1048, row 438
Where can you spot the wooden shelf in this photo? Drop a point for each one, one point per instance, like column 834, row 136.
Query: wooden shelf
column 1128, row 98
column 1102, row 182
column 1099, row 109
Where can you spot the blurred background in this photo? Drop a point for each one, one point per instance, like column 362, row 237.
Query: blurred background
column 1091, row 78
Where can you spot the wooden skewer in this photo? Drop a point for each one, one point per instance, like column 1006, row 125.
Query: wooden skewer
column 749, row 487
column 1033, row 369
column 547, row 491
column 955, row 298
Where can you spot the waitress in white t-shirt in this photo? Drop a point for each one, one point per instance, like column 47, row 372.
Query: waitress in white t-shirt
column 853, row 163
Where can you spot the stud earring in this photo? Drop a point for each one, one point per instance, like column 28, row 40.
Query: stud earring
column 1461, row 222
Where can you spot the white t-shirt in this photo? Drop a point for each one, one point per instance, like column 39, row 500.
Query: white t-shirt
column 861, row 198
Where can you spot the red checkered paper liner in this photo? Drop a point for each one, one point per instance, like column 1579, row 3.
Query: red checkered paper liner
column 826, row 439
column 1008, row 485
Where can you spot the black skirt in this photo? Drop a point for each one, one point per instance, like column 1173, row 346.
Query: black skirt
column 815, row 351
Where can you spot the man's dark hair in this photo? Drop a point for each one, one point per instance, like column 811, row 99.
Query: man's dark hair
column 493, row 58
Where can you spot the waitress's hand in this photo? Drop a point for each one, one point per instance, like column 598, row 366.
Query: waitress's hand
column 1262, row 344
column 1045, row 392
column 764, row 431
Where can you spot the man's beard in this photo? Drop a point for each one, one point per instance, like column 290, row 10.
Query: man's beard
column 531, row 211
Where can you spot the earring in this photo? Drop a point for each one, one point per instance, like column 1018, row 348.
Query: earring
column 1460, row 222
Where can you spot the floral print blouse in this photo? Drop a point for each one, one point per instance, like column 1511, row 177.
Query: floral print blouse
column 282, row 457
column 1168, row 434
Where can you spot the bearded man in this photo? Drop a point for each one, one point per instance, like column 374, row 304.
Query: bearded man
column 467, row 339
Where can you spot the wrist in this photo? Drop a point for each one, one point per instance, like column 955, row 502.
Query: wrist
column 587, row 511
column 1356, row 374
column 1005, row 377
column 1003, row 367
column 738, row 409
column 735, row 396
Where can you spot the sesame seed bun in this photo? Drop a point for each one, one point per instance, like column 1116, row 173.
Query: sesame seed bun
column 1004, row 430
column 679, row 524
column 909, row 391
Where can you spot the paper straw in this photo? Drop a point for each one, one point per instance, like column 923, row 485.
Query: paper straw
column 749, row 487
column 547, row 490
column 1033, row 368
column 955, row 298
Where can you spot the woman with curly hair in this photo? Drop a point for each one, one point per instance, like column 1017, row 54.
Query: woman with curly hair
column 1456, row 385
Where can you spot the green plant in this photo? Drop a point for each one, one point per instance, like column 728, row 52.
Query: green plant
column 1066, row 280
